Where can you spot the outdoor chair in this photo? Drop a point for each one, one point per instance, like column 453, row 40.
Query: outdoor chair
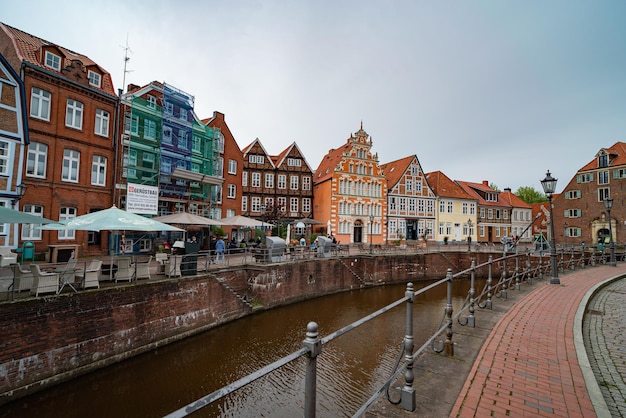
column 161, row 259
column 7, row 257
column 142, row 269
column 172, row 266
column 89, row 276
column 23, row 278
column 67, row 273
column 43, row 282
column 125, row 269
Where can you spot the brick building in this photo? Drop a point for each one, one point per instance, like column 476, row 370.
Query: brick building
column 68, row 169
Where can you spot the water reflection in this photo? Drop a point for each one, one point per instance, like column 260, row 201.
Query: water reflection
column 350, row 367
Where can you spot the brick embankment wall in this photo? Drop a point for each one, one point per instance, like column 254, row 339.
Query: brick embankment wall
column 47, row 340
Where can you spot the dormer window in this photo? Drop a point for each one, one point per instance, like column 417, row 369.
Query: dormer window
column 53, row 61
column 95, row 79
column 152, row 101
column 603, row 160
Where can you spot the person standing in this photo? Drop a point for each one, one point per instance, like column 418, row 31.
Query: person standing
column 220, row 247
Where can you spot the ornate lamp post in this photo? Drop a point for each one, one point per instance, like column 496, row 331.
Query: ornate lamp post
column 608, row 205
column 549, row 186
column 469, row 235
column 371, row 226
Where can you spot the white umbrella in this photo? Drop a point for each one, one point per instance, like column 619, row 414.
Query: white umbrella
column 240, row 220
column 185, row 218
column 112, row 219
column 11, row 216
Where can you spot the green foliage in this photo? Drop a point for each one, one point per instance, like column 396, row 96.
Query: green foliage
column 218, row 232
column 494, row 186
column 530, row 195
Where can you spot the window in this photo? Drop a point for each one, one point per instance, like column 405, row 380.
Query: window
column 482, row 213
column 584, row 178
column 464, row 209
column 183, row 114
column 573, row 213
column 573, row 194
column 102, row 123
column 232, row 167
column 269, row 180
column 232, row 191
column 4, row 157
column 490, row 213
column 151, row 101
column 409, row 185
column 418, row 186
column 36, row 160
column 244, row 204
column 603, row 160
column 71, row 160
column 149, row 129
column 167, row 135
column 293, row 182
column 256, row 159
column 52, row 61
column 450, row 207
column 98, row 170
column 603, row 177
column 169, row 108
column 306, row 205
column 282, row 181
column 67, row 213
column 256, row 204
column 472, row 208
column 40, row 104
column 603, row 193
column 244, row 179
column 293, row 205
column 256, row 179
column 32, row 231
column 306, row 183
column 95, row 79
column 74, row 114
column 294, row 162
column 442, row 206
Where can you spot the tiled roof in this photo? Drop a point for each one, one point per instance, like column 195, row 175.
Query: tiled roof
column 617, row 154
column 394, row 170
column 444, row 187
column 513, row 200
column 27, row 46
column 328, row 164
column 472, row 189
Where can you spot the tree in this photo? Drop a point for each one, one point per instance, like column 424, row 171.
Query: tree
column 530, row 195
column 494, row 186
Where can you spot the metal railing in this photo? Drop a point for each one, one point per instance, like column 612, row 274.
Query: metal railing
column 516, row 269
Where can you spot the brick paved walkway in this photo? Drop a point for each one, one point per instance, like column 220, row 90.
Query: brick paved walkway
column 528, row 366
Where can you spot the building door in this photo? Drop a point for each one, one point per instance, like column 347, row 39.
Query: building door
column 358, row 232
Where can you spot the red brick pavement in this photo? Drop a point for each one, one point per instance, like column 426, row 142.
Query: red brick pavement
column 528, row 365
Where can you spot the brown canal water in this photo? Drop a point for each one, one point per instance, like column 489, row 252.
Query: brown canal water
column 350, row 368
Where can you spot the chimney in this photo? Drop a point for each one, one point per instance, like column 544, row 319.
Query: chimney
column 507, row 189
column 485, row 183
column 218, row 115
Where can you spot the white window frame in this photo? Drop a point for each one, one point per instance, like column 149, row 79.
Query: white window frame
column 232, row 166
column 67, row 213
column 293, row 183
column 102, row 123
column 52, row 60
column 269, row 180
column 232, row 191
column 98, row 170
column 4, row 157
column 39, row 154
column 293, row 204
column 95, row 79
column 71, row 166
column 282, row 181
column 40, row 101
column 74, row 114
column 256, row 179
column 32, row 231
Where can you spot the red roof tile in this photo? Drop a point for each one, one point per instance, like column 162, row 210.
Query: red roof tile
column 617, row 156
column 443, row 186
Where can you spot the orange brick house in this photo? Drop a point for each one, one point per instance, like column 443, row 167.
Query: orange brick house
column 351, row 192
column 71, row 105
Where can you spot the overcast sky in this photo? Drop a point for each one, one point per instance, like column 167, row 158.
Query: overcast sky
column 481, row 90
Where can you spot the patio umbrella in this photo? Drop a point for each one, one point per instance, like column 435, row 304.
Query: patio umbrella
column 185, row 218
column 112, row 219
column 244, row 221
column 306, row 221
column 11, row 216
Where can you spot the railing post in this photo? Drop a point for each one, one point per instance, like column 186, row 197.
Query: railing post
column 503, row 279
column 449, row 347
column 529, row 277
column 472, row 292
column 517, row 283
column 314, row 345
column 541, row 264
column 488, row 304
column 407, row 400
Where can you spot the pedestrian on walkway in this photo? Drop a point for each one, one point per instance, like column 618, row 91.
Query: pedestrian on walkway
column 220, row 247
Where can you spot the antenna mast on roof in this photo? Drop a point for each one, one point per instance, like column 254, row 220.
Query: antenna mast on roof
column 126, row 59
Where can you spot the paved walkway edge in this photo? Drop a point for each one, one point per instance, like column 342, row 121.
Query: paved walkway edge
column 595, row 394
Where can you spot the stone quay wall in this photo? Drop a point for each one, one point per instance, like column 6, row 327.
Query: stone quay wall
column 47, row 340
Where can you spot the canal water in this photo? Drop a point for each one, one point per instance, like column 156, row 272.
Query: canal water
column 350, row 368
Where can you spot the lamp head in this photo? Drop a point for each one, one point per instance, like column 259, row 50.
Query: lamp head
column 608, row 203
column 549, row 184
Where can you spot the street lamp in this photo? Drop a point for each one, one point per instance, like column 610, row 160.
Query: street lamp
column 469, row 235
column 262, row 208
column 20, row 191
column 549, row 186
column 371, row 225
column 608, row 204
